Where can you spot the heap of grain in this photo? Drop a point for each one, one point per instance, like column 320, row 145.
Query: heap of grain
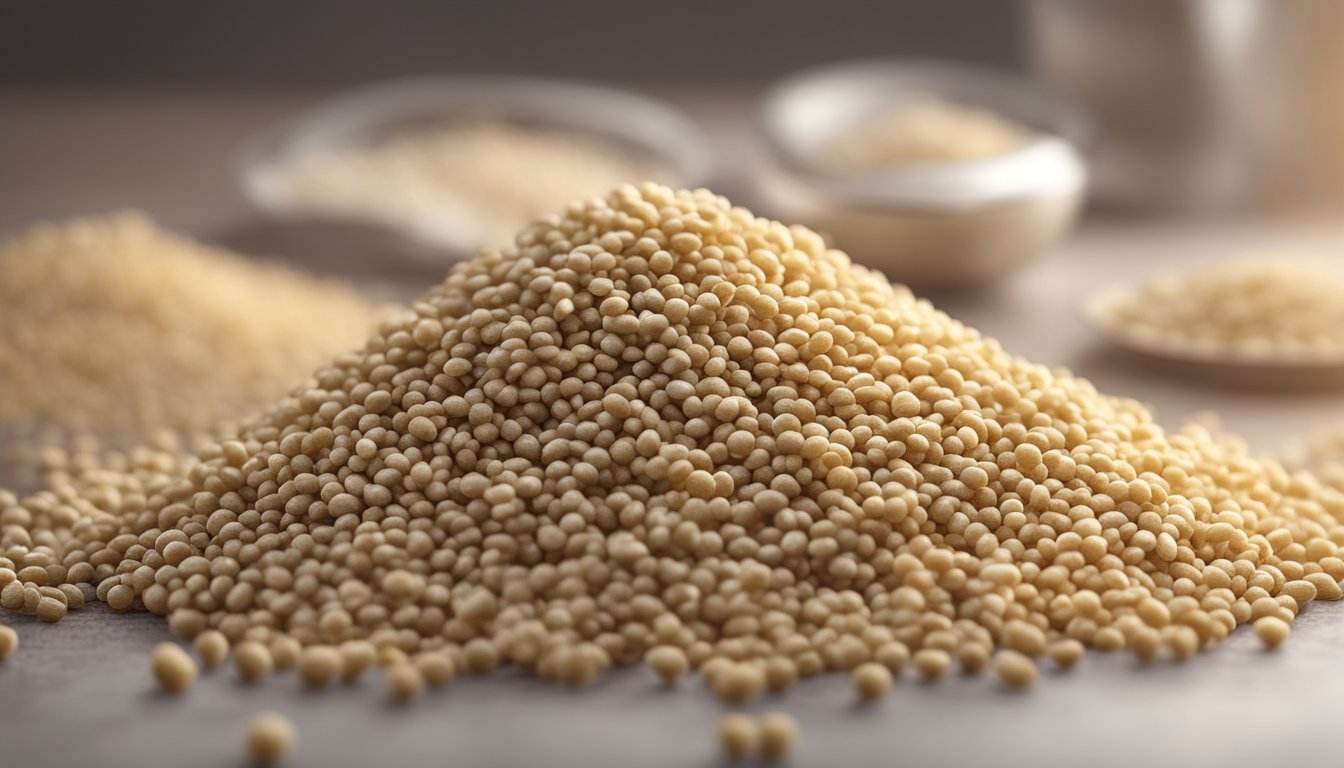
column 658, row 425
column 111, row 325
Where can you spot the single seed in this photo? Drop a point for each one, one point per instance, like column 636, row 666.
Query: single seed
column 668, row 662
column 739, row 682
column 319, row 665
column 172, row 667
column 404, row 682
column 1065, row 652
column 49, row 609
column 779, row 735
column 1272, row 631
column 1014, row 668
column 285, row 652
column 270, row 738
column 438, row 669
column 252, row 660
column 871, row 681
column 9, row 641
column 213, row 647
column 357, row 658
column 739, row 736
column 931, row 663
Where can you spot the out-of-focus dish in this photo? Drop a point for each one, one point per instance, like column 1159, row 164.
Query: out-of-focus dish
column 957, row 215
column 461, row 162
column 1269, row 321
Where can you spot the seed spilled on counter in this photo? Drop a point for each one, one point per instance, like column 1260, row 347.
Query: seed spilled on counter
column 657, row 421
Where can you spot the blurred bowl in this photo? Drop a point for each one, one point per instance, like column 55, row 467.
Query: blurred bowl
column 931, row 224
column 641, row 127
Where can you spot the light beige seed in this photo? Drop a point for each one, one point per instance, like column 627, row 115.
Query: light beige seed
column 404, row 682
column 871, row 681
column 739, row 736
column 931, row 663
column 668, row 662
column 357, row 658
column 9, row 641
column 779, row 736
column 973, row 657
column 893, row 656
column 438, row 669
column 739, row 682
column 285, row 652
column 319, row 665
column 212, row 647
column 270, row 738
column 252, row 660
column 1272, row 631
column 1014, row 668
column 1025, row 638
column 172, row 667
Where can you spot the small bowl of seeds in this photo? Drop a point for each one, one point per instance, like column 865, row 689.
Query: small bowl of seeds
column 939, row 175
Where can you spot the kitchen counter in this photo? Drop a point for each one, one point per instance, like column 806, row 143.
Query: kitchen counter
column 79, row 692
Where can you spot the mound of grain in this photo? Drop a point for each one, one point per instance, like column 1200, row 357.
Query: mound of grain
column 112, row 325
column 657, row 420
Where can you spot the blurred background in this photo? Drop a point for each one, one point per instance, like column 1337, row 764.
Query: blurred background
column 1063, row 149
column 1185, row 131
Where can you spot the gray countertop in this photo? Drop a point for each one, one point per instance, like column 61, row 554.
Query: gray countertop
column 79, row 692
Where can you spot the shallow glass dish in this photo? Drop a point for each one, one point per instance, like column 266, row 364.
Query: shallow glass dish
column 636, row 126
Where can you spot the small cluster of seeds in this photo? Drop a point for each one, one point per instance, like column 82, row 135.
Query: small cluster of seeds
column 112, row 325
column 659, row 428
column 922, row 131
column 773, row 737
column 1256, row 309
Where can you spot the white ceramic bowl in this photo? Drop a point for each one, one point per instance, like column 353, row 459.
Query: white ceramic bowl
column 933, row 224
column 647, row 128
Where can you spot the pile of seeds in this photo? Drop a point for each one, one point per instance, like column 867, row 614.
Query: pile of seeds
column 1252, row 309
column 925, row 130
column 111, row 325
column 473, row 179
column 658, row 427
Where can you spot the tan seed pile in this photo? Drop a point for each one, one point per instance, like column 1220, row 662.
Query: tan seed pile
column 925, row 130
column 659, row 422
column 112, row 325
column 1256, row 308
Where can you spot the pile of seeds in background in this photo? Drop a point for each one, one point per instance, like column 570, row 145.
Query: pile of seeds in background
column 460, row 176
column 925, row 130
column 1264, row 308
column 110, row 325
column 659, row 428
